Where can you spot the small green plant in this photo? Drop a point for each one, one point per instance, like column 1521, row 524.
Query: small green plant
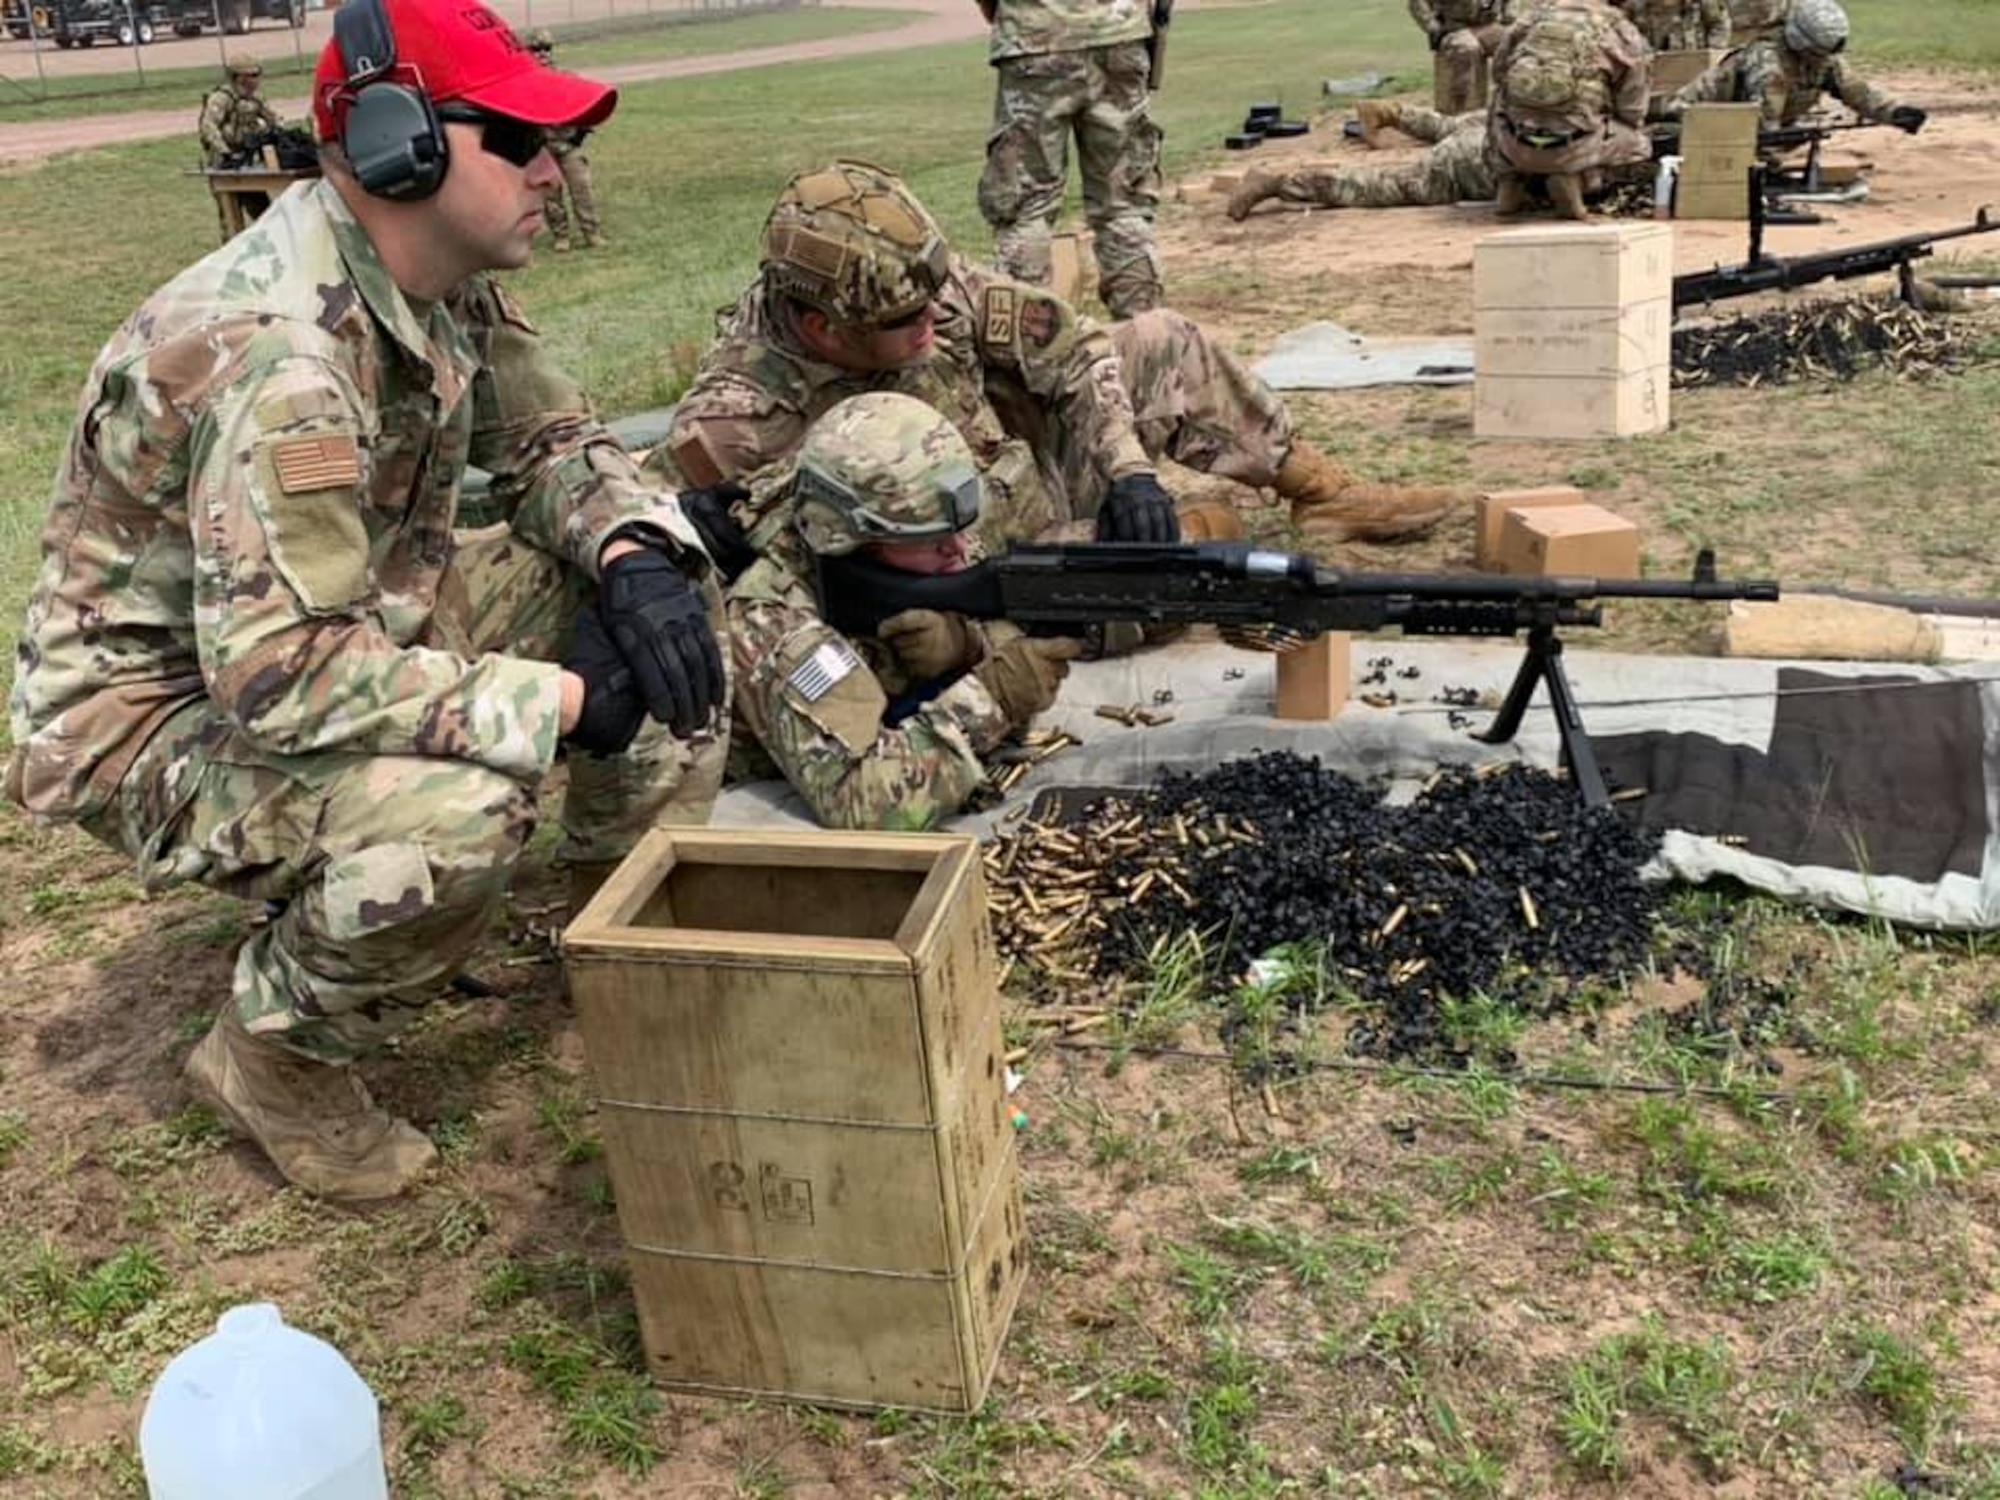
column 563, row 1115
column 1212, row 1286
column 1565, row 1194
column 1281, row 1164
column 1901, row 1381
column 430, row 1425
column 1687, row 1388
column 614, row 1417
column 13, row 1136
column 1170, row 992
column 1770, row 1270
column 114, row 1290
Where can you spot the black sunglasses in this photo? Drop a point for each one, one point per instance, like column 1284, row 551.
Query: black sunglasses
column 513, row 141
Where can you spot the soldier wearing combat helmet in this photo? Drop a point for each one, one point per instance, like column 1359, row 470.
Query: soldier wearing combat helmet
column 1786, row 75
column 889, row 730
column 1065, row 419
column 232, row 115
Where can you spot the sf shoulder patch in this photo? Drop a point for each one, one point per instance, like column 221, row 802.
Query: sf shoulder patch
column 315, row 463
column 1000, row 315
column 816, row 676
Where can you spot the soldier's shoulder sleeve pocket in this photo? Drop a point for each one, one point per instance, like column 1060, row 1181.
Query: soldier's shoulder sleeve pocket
column 822, row 681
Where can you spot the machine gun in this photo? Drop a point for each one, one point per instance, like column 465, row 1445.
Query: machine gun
column 1064, row 590
column 1773, row 141
column 1769, row 273
column 292, row 147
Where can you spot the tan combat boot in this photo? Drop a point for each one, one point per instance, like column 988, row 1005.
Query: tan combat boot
column 1512, row 196
column 1252, row 190
column 1376, row 116
column 1330, row 503
column 313, row 1119
column 1209, row 521
column 1566, row 193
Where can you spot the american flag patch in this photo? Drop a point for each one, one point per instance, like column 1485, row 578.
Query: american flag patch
column 316, row 463
column 815, row 677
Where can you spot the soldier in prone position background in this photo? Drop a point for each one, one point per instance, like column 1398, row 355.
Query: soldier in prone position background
column 859, row 291
column 1074, row 68
column 1457, row 168
column 1570, row 90
column 259, row 656
column 1461, row 32
column 1786, row 76
column 888, row 731
column 567, row 147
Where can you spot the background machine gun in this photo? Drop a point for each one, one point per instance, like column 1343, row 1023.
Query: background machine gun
column 1064, row 590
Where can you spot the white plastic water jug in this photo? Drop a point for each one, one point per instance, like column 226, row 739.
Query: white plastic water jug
column 261, row 1411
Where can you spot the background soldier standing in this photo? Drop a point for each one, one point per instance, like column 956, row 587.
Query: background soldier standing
column 1462, row 32
column 566, row 146
column 1679, row 25
column 1570, row 86
column 232, row 115
column 891, row 730
column 1082, row 67
column 1786, row 77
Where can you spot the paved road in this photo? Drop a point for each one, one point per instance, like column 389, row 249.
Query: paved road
column 931, row 21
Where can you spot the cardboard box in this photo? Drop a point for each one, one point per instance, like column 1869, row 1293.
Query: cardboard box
column 1578, row 540
column 795, row 1039
column 1313, row 681
column 1490, row 514
column 1673, row 71
column 1571, row 407
column 1573, row 266
column 1718, row 149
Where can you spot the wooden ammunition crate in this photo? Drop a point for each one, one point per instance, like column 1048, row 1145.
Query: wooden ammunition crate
column 1718, row 149
column 796, row 1044
column 1673, row 71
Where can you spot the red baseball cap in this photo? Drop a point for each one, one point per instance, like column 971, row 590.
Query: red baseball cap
column 458, row 51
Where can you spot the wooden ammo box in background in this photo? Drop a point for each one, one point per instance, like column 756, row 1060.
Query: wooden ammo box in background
column 1671, row 72
column 796, row 1045
column 1572, row 331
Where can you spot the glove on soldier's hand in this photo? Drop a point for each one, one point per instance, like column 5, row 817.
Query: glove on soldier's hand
column 1023, row 674
column 655, row 616
column 611, row 710
column 928, row 644
column 1138, row 509
column 707, row 510
column 1908, row 117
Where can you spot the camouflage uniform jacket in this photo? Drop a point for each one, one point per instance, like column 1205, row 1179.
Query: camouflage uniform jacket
column 1679, row 25
column 815, row 699
column 1002, row 349
column 1028, row 28
column 230, row 119
column 256, row 506
column 1614, row 88
column 1784, row 84
column 1453, row 15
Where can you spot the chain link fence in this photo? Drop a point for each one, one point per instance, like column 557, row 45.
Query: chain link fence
column 53, row 50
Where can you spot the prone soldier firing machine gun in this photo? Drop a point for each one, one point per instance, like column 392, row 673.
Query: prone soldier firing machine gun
column 1768, row 273
column 1773, row 141
column 1064, row 589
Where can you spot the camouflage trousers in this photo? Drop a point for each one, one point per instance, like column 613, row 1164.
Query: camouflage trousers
column 1453, row 171
column 1192, row 401
column 1099, row 95
column 575, row 165
column 1459, row 57
column 389, row 866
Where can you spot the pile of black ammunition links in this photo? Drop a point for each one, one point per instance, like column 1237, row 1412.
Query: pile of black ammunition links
column 1828, row 340
column 1495, row 882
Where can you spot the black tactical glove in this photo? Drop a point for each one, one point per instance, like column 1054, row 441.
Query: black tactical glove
column 1908, row 117
column 1138, row 509
column 611, row 710
column 722, row 539
column 655, row 617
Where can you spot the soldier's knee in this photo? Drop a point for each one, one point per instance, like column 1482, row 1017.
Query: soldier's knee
column 1461, row 47
column 471, row 822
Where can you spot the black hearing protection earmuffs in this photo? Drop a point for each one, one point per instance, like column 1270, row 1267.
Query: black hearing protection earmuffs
column 390, row 135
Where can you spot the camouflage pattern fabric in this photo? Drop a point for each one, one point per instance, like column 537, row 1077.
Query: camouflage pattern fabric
column 814, row 700
column 1101, row 96
column 1455, row 170
column 229, row 120
column 1450, row 15
column 1601, row 123
column 1461, row 51
column 1053, row 406
column 248, row 564
column 1679, row 25
column 574, row 162
column 1029, row 28
column 1756, row 20
column 1785, row 85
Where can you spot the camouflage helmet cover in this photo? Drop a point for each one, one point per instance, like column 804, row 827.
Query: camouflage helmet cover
column 851, row 240
column 243, row 65
column 541, row 41
column 1818, row 26
column 883, row 467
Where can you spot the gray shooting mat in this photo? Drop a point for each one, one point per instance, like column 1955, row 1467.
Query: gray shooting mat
column 1326, row 357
